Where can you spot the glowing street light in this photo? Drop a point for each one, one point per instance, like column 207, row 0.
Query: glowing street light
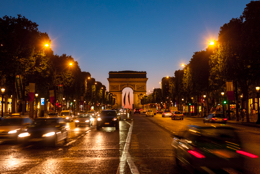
column 3, row 91
column 46, row 45
column 70, row 63
column 183, row 65
column 258, row 119
column 167, row 77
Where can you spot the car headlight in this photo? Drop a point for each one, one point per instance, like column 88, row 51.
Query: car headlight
column 91, row 119
column 87, row 121
column 25, row 134
column 114, row 119
column 48, row 134
column 76, row 121
column 99, row 119
column 12, row 132
column 67, row 117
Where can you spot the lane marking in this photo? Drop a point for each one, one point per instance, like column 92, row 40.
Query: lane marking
column 126, row 157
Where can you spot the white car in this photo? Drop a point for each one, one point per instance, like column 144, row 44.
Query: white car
column 167, row 113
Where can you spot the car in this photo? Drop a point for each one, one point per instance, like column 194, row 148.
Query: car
column 48, row 130
column 215, row 118
column 67, row 115
column 10, row 127
column 84, row 119
column 93, row 114
column 137, row 111
column 107, row 118
column 177, row 115
column 167, row 113
column 149, row 113
column 198, row 148
column 159, row 111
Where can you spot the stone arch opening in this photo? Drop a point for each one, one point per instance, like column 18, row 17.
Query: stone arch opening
column 136, row 80
column 127, row 97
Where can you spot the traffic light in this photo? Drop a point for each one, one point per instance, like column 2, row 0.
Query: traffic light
column 190, row 104
column 225, row 102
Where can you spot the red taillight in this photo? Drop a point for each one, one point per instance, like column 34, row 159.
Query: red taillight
column 182, row 114
column 174, row 114
column 213, row 118
column 247, row 154
column 196, row 154
column 225, row 119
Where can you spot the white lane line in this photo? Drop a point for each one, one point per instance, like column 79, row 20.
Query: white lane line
column 126, row 157
column 76, row 138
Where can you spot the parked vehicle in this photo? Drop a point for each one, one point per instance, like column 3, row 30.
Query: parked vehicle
column 177, row 115
column 137, row 111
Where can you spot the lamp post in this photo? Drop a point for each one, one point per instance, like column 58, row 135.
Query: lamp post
column 63, row 99
column 3, row 91
column 36, row 96
column 74, row 106
column 222, row 94
column 258, row 119
column 204, row 96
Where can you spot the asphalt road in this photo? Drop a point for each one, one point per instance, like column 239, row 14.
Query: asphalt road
column 142, row 145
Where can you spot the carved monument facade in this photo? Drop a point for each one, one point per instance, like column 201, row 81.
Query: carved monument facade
column 136, row 80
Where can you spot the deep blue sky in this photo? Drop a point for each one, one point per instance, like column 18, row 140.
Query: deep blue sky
column 155, row 36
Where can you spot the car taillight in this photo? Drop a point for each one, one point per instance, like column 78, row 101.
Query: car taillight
column 247, row 154
column 196, row 154
column 182, row 114
column 174, row 114
column 213, row 118
column 225, row 119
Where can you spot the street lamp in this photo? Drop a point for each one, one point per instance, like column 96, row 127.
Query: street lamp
column 258, row 119
column 204, row 96
column 222, row 94
column 183, row 65
column 63, row 99
column 74, row 106
column 36, row 96
column 3, row 91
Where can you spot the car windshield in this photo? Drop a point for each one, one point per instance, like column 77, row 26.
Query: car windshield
column 45, row 122
column 65, row 113
column 167, row 111
column 83, row 116
column 220, row 134
column 177, row 112
column 11, row 122
column 108, row 113
column 149, row 111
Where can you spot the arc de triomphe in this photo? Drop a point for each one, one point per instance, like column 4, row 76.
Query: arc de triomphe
column 136, row 80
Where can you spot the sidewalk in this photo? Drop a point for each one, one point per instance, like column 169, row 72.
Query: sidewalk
column 233, row 121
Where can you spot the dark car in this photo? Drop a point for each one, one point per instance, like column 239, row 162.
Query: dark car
column 10, row 127
column 137, row 111
column 47, row 130
column 213, row 147
column 215, row 118
column 84, row 119
column 107, row 118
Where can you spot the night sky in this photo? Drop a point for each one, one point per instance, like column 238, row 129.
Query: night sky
column 155, row 36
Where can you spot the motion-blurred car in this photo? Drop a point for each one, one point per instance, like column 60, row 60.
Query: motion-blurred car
column 167, row 113
column 149, row 113
column 67, row 115
column 159, row 111
column 107, row 118
column 209, row 147
column 215, row 118
column 49, row 130
column 177, row 115
column 10, row 127
column 137, row 111
column 84, row 120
